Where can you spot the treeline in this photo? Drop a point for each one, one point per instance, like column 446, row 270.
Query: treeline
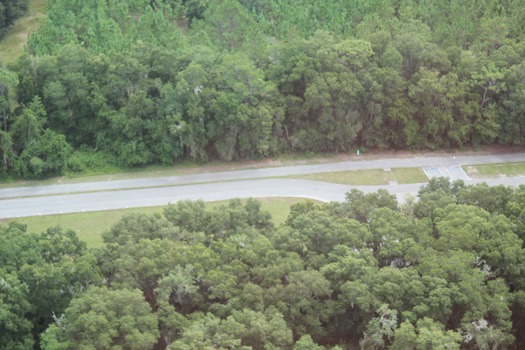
column 445, row 272
column 10, row 10
column 153, row 82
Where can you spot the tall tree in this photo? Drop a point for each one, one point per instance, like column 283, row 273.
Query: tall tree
column 104, row 319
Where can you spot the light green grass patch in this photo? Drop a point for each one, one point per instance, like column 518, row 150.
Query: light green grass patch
column 351, row 177
column 90, row 226
column 368, row 177
column 409, row 175
column 279, row 207
column 495, row 170
column 12, row 45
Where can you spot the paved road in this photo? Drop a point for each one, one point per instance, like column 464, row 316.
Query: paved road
column 131, row 193
column 260, row 173
column 163, row 195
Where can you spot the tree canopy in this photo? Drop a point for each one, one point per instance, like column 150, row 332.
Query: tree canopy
column 139, row 82
column 433, row 274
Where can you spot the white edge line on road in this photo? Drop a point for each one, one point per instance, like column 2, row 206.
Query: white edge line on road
column 424, row 170
column 466, row 175
column 450, row 175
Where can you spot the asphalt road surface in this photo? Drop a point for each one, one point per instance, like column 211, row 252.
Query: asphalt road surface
column 105, row 195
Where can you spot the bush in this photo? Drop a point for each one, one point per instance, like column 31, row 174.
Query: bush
column 87, row 161
column 44, row 157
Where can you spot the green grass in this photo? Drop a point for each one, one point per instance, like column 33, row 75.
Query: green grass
column 368, row 177
column 89, row 226
column 184, row 168
column 111, row 173
column 12, row 45
column 409, row 175
column 495, row 170
column 357, row 177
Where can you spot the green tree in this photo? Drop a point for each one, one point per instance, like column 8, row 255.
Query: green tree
column 7, row 154
column 427, row 334
column 104, row 319
column 188, row 215
column 306, row 343
column 513, row 130
column 178, row 286
column 380, row 329
column 307, row 297
column 7, row 79
column 29, row 126
column 15, row 327
column 52, row 266
column 359, row 206
column 134, row 227
column 44, row 157
column 230, row 27
column 210, row 332
column 493, row 199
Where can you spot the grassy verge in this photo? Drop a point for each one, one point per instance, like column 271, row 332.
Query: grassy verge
column 12, row 45
column 409, row 175
column 495, row 170
column 111, row 173
column 89, row 226
column 187, row 167
column 369, row 177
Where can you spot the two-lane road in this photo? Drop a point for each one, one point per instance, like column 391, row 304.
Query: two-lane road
column 92, row 196
column 360, row 164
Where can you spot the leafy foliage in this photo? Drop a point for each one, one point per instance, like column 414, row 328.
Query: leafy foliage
column 155, row 82
column 104, row 319
column 440, row 274
column 40, row 274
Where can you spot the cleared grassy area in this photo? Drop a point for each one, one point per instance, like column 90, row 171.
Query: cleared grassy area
column 409, row 175
column 89, row 226
column 12, row 45
column 357, row 177
column 369, row 177
column 495, row 170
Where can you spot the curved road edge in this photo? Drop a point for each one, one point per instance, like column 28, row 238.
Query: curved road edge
column 85, row 202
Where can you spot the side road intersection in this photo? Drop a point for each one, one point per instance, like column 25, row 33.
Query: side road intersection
column 105, row 195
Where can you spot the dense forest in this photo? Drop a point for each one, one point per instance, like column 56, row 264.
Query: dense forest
column 136, row 82
column 139, row 82
column 444, row 272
